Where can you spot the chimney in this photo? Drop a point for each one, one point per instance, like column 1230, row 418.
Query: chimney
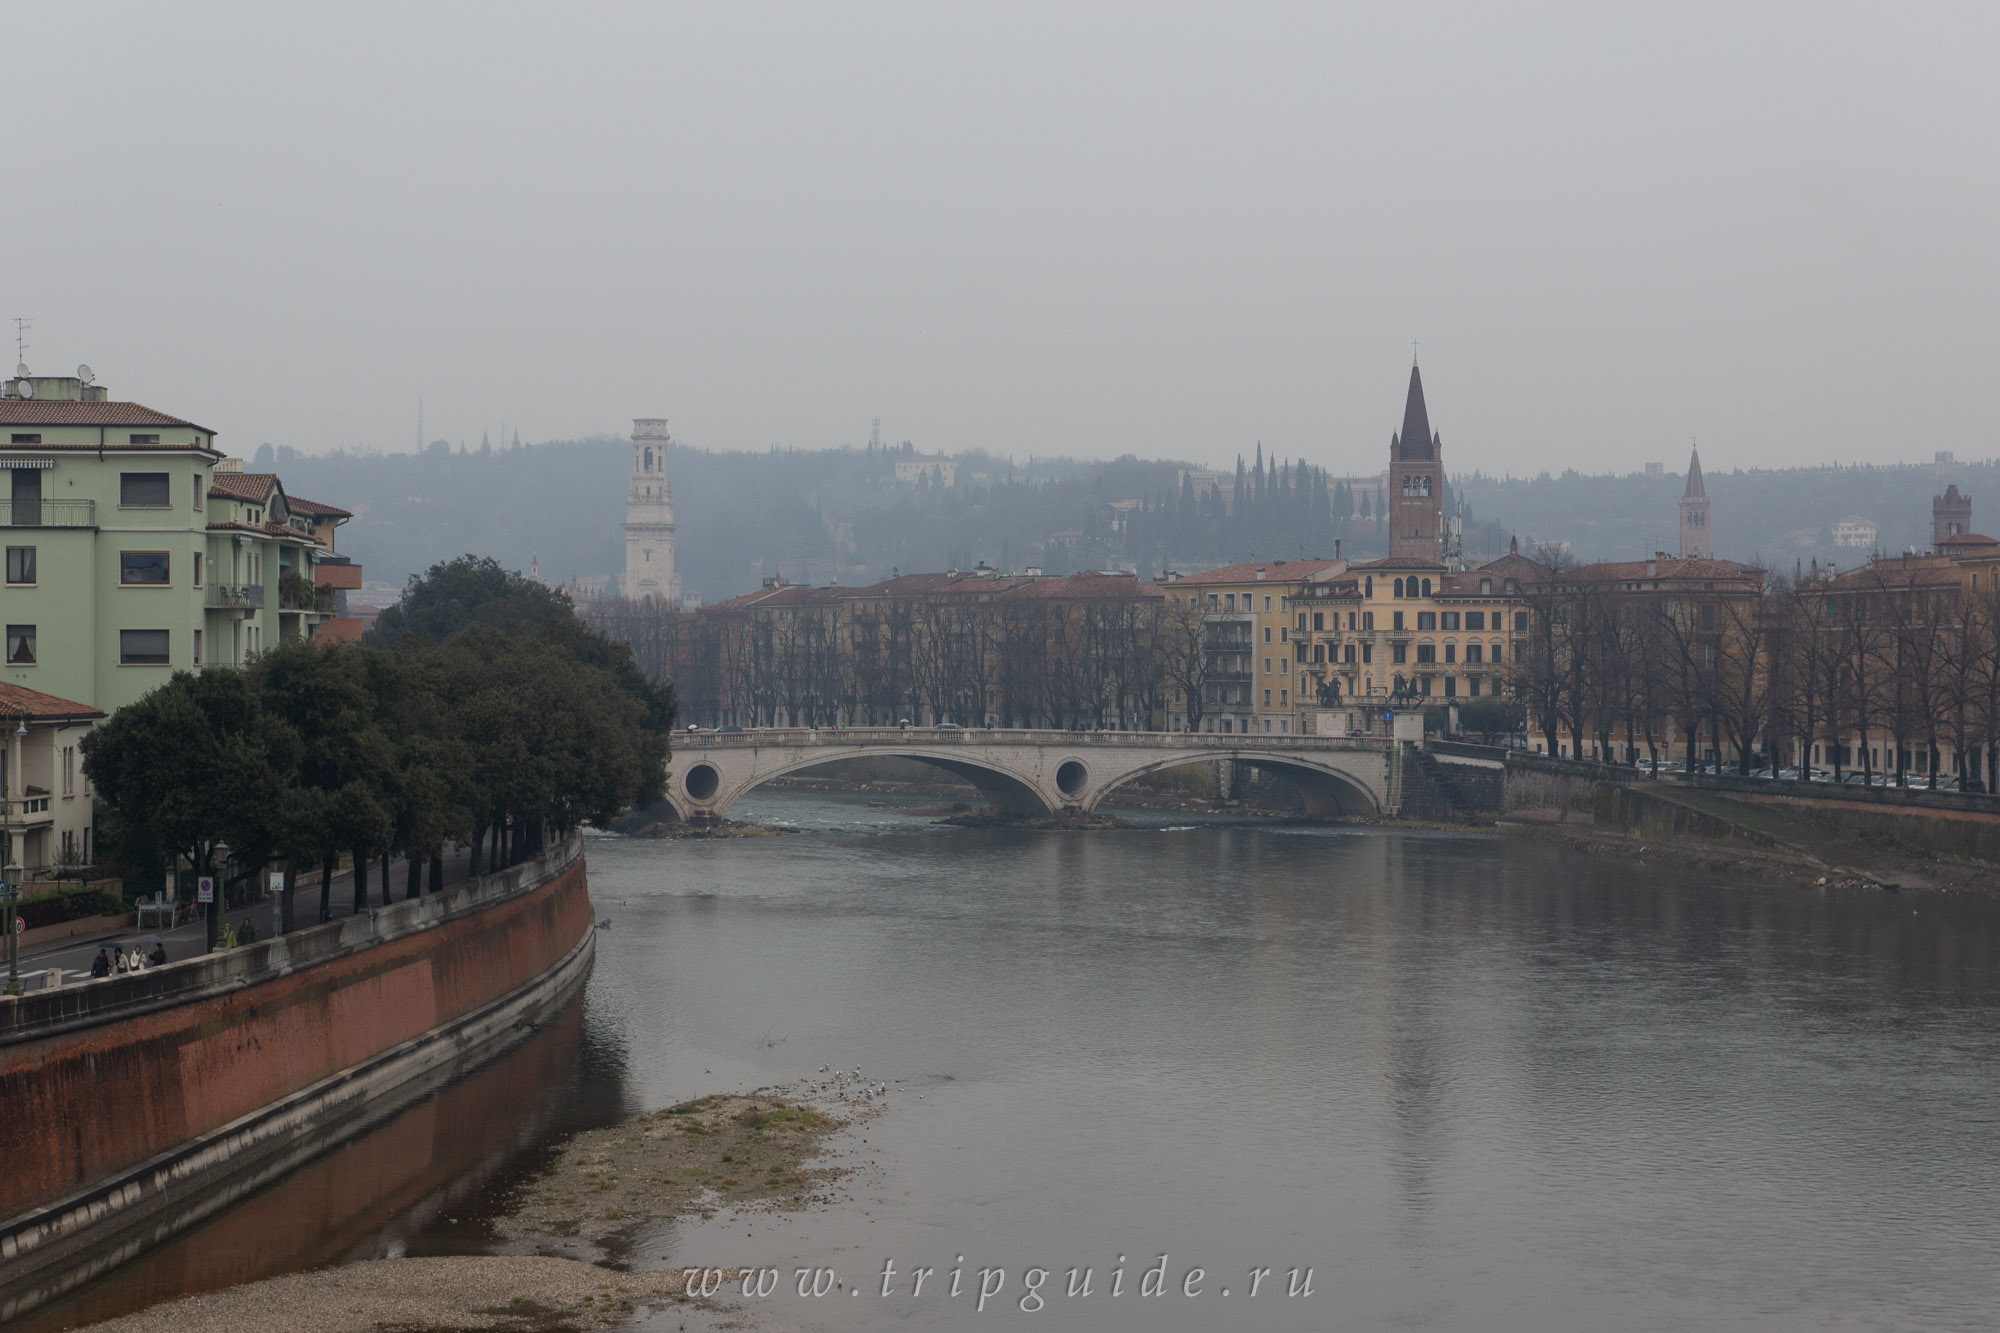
column 1336, row 548
column 1652, row 569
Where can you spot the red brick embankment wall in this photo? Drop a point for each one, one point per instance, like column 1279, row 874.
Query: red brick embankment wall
column 101, row 1078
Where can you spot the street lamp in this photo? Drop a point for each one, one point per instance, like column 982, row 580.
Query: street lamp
column 12, row 871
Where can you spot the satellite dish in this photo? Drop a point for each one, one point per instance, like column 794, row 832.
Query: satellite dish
column 26, row 388
column 86, row 374
column 21, row 371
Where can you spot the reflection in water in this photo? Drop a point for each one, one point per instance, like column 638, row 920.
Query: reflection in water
column 1475, row 1083
column 437, row 1150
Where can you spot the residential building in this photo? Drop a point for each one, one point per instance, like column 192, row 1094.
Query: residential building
column 134, row 548
column 1249, row 684
column 1856, row 531
column 916, row 468
column 41, row 779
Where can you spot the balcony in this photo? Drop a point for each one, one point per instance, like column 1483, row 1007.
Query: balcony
column 235, row 596
column 48, row 514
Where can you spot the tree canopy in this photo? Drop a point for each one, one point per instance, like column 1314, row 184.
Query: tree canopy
column 480, row 706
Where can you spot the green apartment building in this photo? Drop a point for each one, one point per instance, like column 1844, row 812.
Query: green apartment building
column 135, row 548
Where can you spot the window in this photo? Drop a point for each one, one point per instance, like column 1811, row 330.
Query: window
column 27, row 439
column 69, row 771
column 20, row 564
column 1520, row 622
column 1368, row 621
column 1426, row 653
column 1284, row 698
column 197, row 569
column 1267, row 698
column 1396, row 624
column 1369, row 585
column 1211, row 601
column 1477, row 619
column 1486, row 587
column 197, row 647
column 142, row 567
column 1347, row 654
column 1447, row 620
column 1495, row 655
column 1267, row 601
column 144, row 439
column 1472, row 652
column 1399, row 587
column 1367, row 653
column 1427, row 620
column 1267, row 666
column 142, row 647
column 1451, row 687
column 1284, row 632
column 1350, row 619
column 1399, row 652
column 1427, row 587
column 1708, row 615
column 1319, row 652
column 197, row 489
column 20, row 645
column 1284, row 666
column 1451, row 652
column 1472, row 686
column 1267, row 634
column 1319, row 617
column 1229, row 601
column 143, row 490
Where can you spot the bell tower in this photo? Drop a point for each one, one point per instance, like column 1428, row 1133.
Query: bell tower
column 1416, row 483
column 649, row 517
column 1694, row 514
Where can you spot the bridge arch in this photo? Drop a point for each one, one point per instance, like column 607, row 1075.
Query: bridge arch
column 1328, row 788
column 705, row 787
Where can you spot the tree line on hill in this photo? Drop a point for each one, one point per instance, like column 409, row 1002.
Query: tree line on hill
column 481, row 713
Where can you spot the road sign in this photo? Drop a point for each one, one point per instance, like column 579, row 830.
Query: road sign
column 20, row 926
column 204, row 890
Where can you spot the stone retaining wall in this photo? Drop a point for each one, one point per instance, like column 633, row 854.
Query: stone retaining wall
column 124, row 1092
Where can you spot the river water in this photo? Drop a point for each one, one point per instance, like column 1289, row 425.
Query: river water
column 1471, row 1083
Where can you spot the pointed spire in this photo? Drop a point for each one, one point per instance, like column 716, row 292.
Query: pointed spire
column 1694, row 490
column 1416, row 436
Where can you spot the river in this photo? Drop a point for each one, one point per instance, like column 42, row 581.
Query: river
column 1470, row 1082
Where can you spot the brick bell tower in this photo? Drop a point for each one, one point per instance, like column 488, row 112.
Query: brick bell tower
column 1694, row 514
column 1951, row 515
column 1416, row 483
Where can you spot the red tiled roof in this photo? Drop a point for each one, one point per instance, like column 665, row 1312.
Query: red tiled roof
column 19, row 700
column 1274, row 571
column 314, row 508
column 1082, row 587
column 252, row 486
column 1676, row 568
column 42, row 412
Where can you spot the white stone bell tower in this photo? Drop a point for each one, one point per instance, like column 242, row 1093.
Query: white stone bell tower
column 649, row 517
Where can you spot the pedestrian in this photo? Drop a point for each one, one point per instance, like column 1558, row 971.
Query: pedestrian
column 101, row 966
column 118, row 959
column 159, row 954
column 228, row 936
column 247, row 935
column 138, row 960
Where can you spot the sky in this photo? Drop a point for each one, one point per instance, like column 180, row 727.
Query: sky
column 1077, row 228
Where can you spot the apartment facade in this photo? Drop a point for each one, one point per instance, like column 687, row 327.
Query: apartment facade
column 1249, row 685
column 135, row 548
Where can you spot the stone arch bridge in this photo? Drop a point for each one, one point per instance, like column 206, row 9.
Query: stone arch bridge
column 1036, row 773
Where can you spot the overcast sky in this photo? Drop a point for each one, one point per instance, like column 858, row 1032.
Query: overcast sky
column 1064, row 228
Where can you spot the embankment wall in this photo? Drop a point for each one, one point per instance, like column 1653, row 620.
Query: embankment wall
column 123, row 1091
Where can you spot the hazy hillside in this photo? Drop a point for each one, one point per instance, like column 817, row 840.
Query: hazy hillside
column 820, row 515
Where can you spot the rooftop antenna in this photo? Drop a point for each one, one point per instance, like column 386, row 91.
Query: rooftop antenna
column 21, row 327
column 1413, row 351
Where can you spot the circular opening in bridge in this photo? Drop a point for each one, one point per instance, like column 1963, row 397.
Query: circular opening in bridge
column 701, row 781
column 1071, row 776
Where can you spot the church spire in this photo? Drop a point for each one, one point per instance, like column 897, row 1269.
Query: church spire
column 1414, row 440
column 1695, row 490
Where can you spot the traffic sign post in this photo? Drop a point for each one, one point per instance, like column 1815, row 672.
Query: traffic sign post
column 204, row 891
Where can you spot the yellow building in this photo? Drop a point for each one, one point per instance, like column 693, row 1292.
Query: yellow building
column 1250, row 682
